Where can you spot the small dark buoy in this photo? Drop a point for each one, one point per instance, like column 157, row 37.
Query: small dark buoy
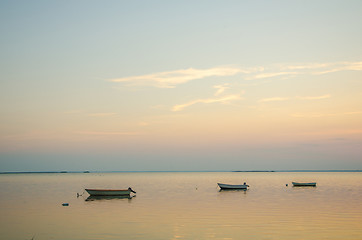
column 65, row 204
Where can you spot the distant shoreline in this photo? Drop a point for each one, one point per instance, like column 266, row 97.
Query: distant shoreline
column 236, row 171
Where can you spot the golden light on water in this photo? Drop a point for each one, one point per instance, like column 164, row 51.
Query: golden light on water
column 183, row 206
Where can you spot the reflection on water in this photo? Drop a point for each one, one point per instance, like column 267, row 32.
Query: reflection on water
column 233, row 190
column 304, row 186
column 97, row 198
column 181, row 206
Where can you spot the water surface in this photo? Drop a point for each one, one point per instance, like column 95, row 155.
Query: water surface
column 182, row 206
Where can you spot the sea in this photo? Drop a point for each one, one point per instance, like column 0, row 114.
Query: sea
column 181, row 205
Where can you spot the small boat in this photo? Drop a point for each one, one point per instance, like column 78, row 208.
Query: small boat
column 110, row 192
column 297, row 184
column 230, row 186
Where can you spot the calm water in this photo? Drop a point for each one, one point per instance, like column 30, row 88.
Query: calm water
column 181, row 206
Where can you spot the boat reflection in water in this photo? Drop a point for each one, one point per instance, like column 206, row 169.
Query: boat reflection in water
column 304, row 184
column 233, row 190
column 105, row 198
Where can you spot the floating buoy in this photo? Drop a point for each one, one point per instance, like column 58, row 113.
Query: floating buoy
column 65, row 204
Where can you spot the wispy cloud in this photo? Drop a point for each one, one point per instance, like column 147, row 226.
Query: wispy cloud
column 286, row 70
column 225, row 99
column 352, row 113
column 279, row 99
column 172, row 78
column 306, row 66
column 335, row 132
column 221, row 88
column 315, row 97
column 270, row 75
column 318, row 115
column 312, row 115
column 274, row 99
column 342, row 66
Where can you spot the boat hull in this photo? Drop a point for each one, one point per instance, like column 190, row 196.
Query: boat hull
column 312, row 184
column 230, row 186
column 109, row 192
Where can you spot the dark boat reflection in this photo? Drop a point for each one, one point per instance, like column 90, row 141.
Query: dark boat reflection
column 105, row 198
column 233, row 190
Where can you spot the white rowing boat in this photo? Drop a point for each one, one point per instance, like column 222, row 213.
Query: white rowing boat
column 298, row 184
column 230, row 186
column 110, row 192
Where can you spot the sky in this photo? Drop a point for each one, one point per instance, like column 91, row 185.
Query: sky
column 180, row 85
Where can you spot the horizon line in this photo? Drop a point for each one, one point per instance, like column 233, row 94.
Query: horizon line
column 175, row 171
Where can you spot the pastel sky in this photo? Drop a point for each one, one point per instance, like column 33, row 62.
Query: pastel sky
column 180, row 85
